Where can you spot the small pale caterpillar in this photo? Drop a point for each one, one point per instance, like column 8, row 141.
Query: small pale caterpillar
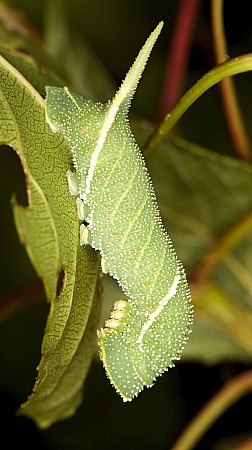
column 117, row 205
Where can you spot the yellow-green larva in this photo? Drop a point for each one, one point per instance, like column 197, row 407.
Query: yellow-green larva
column 116, row 203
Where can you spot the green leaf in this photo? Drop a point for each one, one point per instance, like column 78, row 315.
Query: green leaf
column 49, row 230
column 30, row 69
column 205, row 201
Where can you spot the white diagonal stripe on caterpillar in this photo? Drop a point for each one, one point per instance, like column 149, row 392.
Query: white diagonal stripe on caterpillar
column 163, row 302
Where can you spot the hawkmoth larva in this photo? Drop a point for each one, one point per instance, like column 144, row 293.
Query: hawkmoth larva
column 120, row 218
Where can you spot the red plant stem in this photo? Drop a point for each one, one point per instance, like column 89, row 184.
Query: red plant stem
column 28, row 295
column 178, row 55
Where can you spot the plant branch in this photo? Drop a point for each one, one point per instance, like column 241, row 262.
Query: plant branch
column 227, row 396
column 228, row 68
column 230, row 102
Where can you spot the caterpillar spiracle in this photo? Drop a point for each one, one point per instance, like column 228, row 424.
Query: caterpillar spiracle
column 117, row 206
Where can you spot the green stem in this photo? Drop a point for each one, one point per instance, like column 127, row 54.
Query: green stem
column 227, row 396
column 228, row 68
column 230, row 102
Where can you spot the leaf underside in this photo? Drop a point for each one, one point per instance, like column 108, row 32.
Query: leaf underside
column 49, row 230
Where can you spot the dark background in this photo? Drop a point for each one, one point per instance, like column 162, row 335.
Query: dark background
column 157, row 417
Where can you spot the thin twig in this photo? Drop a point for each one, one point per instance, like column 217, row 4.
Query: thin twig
column 230, row 102
column 233, row 66
column 227, row 396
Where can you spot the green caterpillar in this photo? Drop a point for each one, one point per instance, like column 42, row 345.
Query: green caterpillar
column 117, row 206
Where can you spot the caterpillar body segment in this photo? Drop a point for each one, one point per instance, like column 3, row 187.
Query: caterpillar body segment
column 146, row 332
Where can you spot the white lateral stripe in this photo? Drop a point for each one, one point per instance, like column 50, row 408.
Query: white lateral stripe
column 110, row 117
column 159, row 308
column 125, row 91
column 72, row 98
